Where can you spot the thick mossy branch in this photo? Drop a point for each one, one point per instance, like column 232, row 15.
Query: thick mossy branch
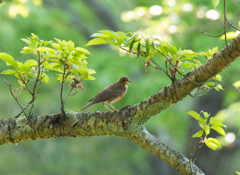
column 165, row 152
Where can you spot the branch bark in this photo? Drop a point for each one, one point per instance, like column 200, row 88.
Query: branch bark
column 128, row 122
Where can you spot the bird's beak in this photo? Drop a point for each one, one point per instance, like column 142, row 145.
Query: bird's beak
column 129, row 81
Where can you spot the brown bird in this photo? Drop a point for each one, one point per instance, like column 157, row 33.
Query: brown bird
column 110, row 94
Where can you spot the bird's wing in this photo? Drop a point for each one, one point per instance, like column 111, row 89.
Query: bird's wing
column 110, row 92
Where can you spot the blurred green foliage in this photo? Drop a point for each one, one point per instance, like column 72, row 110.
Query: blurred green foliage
column 179, row 24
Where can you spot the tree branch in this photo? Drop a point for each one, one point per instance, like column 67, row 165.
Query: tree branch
column 165, row 152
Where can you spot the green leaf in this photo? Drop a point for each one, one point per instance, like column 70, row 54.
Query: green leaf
column 131, row 45
column 112, row 34
column 218, row 129
column 80, row 49
column 51, row 67
column 9, row 60
column 205, row 114
column 84, row 73
column 28, row 42
column 56, row 46
column 45, row 78
column 91, row 77
column 215, row 3
column 197, row 117
column 31, row 63
column 23, row 68
column 218, row 77
column 10, row 71
column 212, row 143
column 138, row 48
column 214, row 50
column 238, row 172
column 206, row 129
column 100, row 35
column 214, row 121
column 27, row 50
column 131, row 38
column 91, row 71
column 210, row 84
column 218, row 87
column 147, row 46
column 198, row 134
column 97, row 41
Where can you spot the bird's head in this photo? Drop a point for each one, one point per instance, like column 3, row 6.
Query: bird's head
column 124, row 80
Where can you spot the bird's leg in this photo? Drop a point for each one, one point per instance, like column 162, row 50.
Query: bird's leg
column 112, row 107
column 106, row 107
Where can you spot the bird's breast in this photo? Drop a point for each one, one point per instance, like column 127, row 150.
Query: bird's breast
column 121, row 96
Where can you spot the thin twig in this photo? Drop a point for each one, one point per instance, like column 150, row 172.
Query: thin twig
column 212, row 35
column 194, row 96
column 39, row 87
column 10, row 88
column 232, row 24
column 61, row 91
column 161, row 68
column 26, row 84
column 69, row 95
column 36, row 82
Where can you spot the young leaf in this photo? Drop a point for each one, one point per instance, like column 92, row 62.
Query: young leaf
column 148, row 46
column 205, row 114
column 10, row 71
column 45, row 78
column 198, row 134
column 238, row 172
column 27, row 50
column 85, row 51
column 212, row 143
column 131, row 45
column 218, row 129
column 215, row 3
column 31, row 63
column 112, row 34
column 9, row 60
column 97, row 41
column 197, row 117
column 214, row 121
column 206, row 129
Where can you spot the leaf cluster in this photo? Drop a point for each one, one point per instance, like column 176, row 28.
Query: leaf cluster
column 206, row 127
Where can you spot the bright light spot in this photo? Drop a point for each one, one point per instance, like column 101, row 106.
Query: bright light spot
column 200, row 14
column 212, row 14
column 172, row 29
column 187, row 7
column 122, row 53
column 156, row 10
column 130, row 15
column 157, row 37
column 171, row 3
column 230, row 137
column 237, row 32
column 140, row 12
column 23, row 1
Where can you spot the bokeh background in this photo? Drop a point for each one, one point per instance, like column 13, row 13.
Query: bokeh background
column 177, row 22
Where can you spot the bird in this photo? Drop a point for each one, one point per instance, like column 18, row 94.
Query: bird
column 110, row 94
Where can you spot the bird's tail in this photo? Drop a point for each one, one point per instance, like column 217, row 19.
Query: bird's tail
column 87, row 106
